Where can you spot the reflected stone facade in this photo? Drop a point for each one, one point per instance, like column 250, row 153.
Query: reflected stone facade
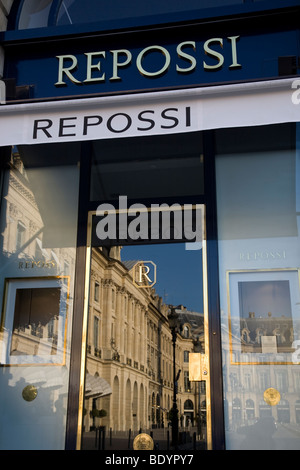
column 246, row 382
column 130, row 346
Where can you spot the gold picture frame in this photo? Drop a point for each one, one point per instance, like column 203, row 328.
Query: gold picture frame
column 263, row 316
column 33, row 328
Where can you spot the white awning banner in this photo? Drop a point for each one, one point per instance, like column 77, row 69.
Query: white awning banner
column 144, row 114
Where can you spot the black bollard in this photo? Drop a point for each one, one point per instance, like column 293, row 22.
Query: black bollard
column 101, row 438
column 129, row 437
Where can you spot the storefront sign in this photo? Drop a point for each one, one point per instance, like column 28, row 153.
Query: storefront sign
column 142, row 121
column 148, row 114
column 140, row 61
column 186, row 60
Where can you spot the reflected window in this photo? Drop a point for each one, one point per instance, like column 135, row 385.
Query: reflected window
column 188, row 405
column 51, row 329
column 113, row 298
column 186, row 332
column 96, row 332
column 283, row 412
column 247, row 381
column 187, row 383
column 297, row 411
column 34, row 14
column 97, row 292
column 236, row 410
column 250, row 409
column 282, row 381
column 264, row 380
column 186, row 356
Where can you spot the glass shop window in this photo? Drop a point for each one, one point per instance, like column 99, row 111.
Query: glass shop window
column 258, row 203
column 38, row 233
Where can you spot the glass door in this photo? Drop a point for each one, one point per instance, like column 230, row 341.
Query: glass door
column 147, row 370
column 146, row 296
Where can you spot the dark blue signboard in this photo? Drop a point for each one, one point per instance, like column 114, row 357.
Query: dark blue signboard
column 137, row 61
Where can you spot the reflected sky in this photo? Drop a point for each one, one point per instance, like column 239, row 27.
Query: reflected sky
column 179, row 272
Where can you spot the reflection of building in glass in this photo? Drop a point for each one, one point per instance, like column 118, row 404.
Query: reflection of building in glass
column 37, row 261
column 130, row 347
column 247, row 380
column 22, row 228
column 34, row 322
column 256, row 331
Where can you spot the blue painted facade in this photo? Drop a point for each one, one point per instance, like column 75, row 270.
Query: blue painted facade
column 197, row 51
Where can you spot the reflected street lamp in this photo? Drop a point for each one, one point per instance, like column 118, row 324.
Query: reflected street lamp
column 175, row 328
